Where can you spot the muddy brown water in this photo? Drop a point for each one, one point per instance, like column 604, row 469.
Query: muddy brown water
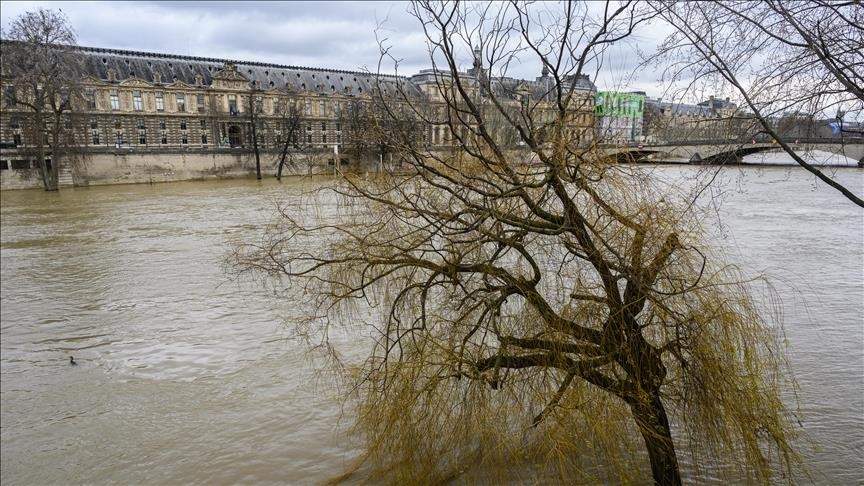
column 186, row 378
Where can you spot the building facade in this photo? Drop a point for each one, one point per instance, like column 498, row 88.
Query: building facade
column 135, row 104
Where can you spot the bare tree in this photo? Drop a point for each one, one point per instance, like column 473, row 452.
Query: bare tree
column 289, row 122
column 43, row 81
column 530, row 313
column 780, row 57
column 254, row 111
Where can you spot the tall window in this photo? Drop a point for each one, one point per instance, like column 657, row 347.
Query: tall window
column 94, row 131
column 232, row 104
column 323, row 127
column 142, row 137
column 181, row 102
column 200, row 103
column 337, row 108
column 10, row 97
column 137, row 105
column 115, row 101
column 182, row 124
column 308, row 134
column 307, row 107
column 203, row 124
column 90, row 96
column 160, row 103
column 184, row 138
column 203, row 139
column 322, row 108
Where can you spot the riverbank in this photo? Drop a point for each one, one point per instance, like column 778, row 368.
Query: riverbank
column 127, row 166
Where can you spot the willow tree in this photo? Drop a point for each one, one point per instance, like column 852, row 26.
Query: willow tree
column 529, row 315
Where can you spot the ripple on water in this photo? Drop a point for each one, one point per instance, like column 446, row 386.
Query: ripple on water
column 130, row 280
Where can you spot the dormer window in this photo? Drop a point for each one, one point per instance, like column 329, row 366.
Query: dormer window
column 157, row 77
column 199, row 80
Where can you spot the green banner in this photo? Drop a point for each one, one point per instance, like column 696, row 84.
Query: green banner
column 611, row 103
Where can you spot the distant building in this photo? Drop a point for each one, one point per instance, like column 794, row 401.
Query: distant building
column 152, row 102
column 619, row 116
column 713, row 119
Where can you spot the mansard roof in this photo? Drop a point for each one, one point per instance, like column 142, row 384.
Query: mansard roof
column 96, row 62
column 177, row 70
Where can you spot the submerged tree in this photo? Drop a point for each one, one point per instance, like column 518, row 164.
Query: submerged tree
column 44, row 81
column 778, row 57
column 531, row 315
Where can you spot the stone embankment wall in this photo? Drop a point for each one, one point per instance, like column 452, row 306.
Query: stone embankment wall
column 136, row 168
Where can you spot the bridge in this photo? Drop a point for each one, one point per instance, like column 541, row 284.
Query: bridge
column 728, row 151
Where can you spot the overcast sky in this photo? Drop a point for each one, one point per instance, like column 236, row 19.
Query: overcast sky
column 339, row 35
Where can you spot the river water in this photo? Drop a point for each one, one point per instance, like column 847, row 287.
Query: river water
column 184, row 377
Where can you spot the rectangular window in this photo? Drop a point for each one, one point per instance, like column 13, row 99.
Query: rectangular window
column 200, row 103
column 203, row 124
column 140, row 124
column 323, row 138
column 338, row 127
column 164, row 137
column 184, row 138
column 322, row 108
column 337, row 108
column 161, row 124
column 20, row 164
column 307, row 107
column 160, row 103
column 95, row 136
column 4, row 165
column 94, row 124
column 203, row 139
column 115, row 101
column 90, row 97
column 323, row 127
column 136, row 101
column 10, row 97
column 308, row 134
column 16, row 138
column 182, row 124
column 181, row 102
column 142, row 137
column 232, row 105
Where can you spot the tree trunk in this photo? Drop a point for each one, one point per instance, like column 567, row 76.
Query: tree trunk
column 55, row 155
column 255, row 149
column 282, row 159
column 653, row 423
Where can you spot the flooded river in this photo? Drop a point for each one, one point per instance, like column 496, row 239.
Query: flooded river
column 186, row 378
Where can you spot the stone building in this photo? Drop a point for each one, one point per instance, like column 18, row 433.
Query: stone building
column 137, row 105
column 712, row 119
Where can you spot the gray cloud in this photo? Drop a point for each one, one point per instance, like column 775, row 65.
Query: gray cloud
column 339, row 35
